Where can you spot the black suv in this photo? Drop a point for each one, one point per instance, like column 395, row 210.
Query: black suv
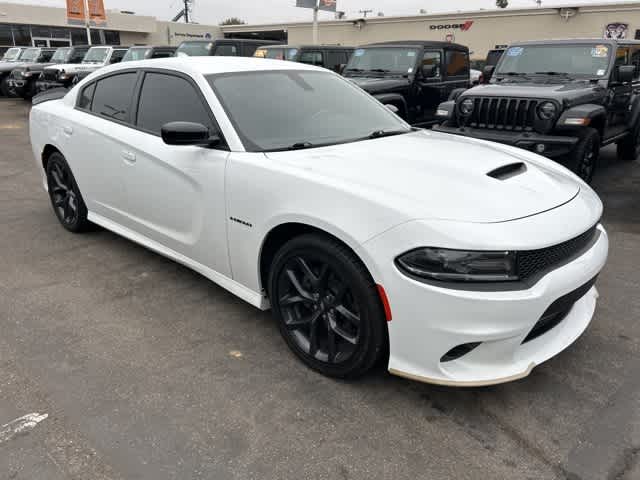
column 563, row 99
column 332, row 57
column 411, row 77
column 22, row 79
column 148, row 52
column 227, row 47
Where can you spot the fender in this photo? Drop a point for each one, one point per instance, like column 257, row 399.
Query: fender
column 396, row 98
column 588, row 111
column 456, row 92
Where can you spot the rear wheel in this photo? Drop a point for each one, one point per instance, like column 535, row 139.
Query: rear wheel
column 327, row 306
column 629, row 147
column 66, row 199
column 584, row 157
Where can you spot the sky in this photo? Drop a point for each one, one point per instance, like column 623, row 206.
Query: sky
column 271, row 11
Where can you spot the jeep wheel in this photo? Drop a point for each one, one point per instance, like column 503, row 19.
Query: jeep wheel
column 584, row 157
column 629, row 147
column 4, row 86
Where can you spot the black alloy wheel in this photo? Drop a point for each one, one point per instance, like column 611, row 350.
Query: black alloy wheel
column 327, row 306
column 65, row 196
column 584, row 158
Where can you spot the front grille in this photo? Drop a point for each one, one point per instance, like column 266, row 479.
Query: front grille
column 531, row 262
column 512, row 114
column 50, row 75
column 558, row 311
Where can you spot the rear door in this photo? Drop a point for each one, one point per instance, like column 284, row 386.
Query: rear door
column 456, row 71
column 431, row 90
column 175, row 193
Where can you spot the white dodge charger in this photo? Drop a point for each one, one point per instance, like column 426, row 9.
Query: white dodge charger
column 458, row 261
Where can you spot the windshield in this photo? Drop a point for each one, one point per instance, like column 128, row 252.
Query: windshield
column 590, row 59
column 194, row 49
column 136, row 54
column 30, row 55
column 300, row 109
column 96, row 55
column 61, row 55
column 494, row 56
column 277, row 53
column 395, row 60
column 11, row 55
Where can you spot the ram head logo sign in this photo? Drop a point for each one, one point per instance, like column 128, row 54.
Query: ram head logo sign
column 616, row 31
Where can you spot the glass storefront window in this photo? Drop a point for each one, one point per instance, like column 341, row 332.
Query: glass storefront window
column 6, row 38
column 22, row 35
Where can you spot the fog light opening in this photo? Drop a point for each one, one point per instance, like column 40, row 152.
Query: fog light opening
column 459, row 351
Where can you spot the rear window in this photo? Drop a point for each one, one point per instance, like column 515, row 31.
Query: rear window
column 194, row 49
column 225, row 50
column 457, row 63
column 112, row 97
column 135, row 54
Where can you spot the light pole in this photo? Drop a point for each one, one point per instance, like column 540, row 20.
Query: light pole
column 87, row 20
column 315, row 22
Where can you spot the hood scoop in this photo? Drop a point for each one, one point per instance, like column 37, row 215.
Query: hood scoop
column 507, row 171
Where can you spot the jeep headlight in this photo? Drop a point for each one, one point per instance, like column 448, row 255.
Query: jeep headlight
column 466, row 107
column 547, row 110
column 442, row 264
column 62, row 75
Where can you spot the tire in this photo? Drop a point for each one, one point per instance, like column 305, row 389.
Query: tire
column 583, row 160
column 65, row 196
column 322, row 295
column 4, row 86
column 629, row 147
column 30, row 91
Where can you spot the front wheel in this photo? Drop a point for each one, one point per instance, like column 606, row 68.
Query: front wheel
column 584, row 157
column 327, row 306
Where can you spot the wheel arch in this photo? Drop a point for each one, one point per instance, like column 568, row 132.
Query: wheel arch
column 47, row 151
column 284, row 231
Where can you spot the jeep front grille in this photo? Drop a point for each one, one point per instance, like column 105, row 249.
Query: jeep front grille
column 514, row 114
column 50, row 75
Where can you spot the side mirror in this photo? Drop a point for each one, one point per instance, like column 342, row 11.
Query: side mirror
column 188, row 133
column 487, row 73
column 626, row 73
column 340, row 68
column 430, row 71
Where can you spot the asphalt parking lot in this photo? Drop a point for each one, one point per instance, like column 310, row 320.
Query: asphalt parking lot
column 147, row 370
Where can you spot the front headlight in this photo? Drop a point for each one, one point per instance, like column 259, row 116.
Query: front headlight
column 62, row 75
column 547, row 110
column 466, row 107
column 460, row 266
column 25, row 74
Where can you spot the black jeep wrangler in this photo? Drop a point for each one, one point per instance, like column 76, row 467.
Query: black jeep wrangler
column 411, row 77
column 564, row 99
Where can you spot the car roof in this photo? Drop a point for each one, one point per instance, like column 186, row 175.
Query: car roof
column 417, row 43
column 166, row 47
column 336, row 47
column 238, row 40
column 211, row 65
column 576, row 41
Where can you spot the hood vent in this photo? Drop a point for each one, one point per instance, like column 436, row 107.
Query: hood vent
column 507, row 171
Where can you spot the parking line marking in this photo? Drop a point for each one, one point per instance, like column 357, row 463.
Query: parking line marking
column 20, row 425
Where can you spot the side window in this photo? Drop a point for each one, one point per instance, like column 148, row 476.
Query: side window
column 226, row 51
column 433, row 58
column 457, row 63
column 622, row 56
column 45, row 56
column 77, row 56
column 112, row 96
column 334, row 60
column 312, row 58
column 86, row 96
column 167, row 98
column 248, row 50
column 117, row 56
column 162, row 54
column 635, row 60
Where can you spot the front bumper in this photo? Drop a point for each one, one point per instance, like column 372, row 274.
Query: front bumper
column 430, row 320
column 554, row 146
column 44, row 85
column 18, row 86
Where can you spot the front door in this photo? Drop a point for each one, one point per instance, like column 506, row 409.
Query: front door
column 175, row 193
column 429, row 88
column 619, row 97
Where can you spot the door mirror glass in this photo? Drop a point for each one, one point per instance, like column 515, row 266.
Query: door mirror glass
column 429, row 71
column 187, row 133
column 626, row 73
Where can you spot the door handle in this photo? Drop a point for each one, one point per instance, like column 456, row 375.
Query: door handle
column 67, row 131
column 129, row 157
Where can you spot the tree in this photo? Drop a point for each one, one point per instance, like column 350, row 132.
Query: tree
column 502, row 3
column 233, row 21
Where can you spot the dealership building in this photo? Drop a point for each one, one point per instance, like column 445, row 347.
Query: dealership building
column 481, row 30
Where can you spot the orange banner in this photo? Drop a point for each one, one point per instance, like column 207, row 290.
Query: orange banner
column 97, row 14
column 75, row 11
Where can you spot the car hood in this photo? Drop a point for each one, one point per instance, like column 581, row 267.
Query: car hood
column 74, row 67
column 9, row 66
column 32, row 67
column 566, row 91
column 432, row 175
column 379, row 84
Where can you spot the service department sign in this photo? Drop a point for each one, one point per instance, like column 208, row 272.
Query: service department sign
column 452, row 26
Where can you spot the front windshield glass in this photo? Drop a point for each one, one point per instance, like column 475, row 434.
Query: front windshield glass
column 11, row 55
column 30, row 55
column 300, row 109
column 590, row 59
column 194, row 49
column 384, row 59
column 135, row 54
column 61, row 55
column 96, row 55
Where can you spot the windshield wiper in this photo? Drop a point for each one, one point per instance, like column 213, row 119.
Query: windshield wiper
column 380, row 70
column 300, row 146
column 559, row 74
column 386, row 133
column 354, row 70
